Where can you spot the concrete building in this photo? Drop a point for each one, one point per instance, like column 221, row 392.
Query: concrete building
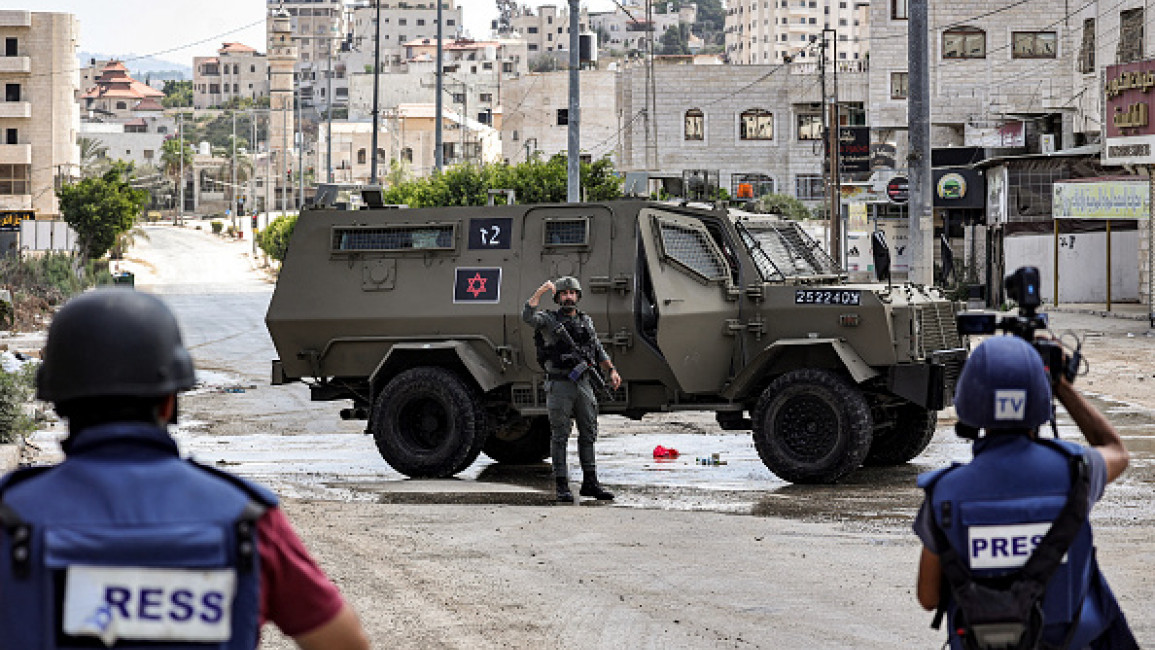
column 547, row 29
column 115, row 94
column 406, row 134
column 401, row 22
column 236, row 72
column 627, row 26
column 536, row 115
column 317, row 28
column 39, row 117
column 137, row 139
column 763, row 32
column 755, row 125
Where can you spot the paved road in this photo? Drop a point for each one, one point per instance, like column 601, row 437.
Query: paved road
column 484, row 561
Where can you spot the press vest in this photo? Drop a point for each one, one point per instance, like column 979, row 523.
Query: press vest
column 126, row 542
column 999, row 506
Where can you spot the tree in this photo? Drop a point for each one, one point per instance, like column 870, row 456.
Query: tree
column 235, row 158
column 102, row 208
column 782, row 204
column 177, row 93
column 93, row 157
column 274, row 239
column 543, row 63
column 171, row 154
column 676, row 40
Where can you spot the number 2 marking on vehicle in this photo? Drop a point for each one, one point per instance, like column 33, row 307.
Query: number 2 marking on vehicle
column 491, row 236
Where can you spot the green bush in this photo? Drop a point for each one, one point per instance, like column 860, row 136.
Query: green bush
column 217, row 227
column 15, row 392
column 274, row 239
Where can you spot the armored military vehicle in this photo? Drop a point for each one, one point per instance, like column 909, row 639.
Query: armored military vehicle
column 414, row 316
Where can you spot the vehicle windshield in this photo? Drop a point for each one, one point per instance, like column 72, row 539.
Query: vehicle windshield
column 781, row 250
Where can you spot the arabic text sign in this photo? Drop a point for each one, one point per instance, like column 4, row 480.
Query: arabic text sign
column 1128, row 91
column 1102, row 200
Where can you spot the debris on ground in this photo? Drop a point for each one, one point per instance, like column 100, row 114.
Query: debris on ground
column 665, row 452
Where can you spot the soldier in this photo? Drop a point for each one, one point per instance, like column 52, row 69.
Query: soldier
column 570, row 397
column 125, row 542
column 992, row 513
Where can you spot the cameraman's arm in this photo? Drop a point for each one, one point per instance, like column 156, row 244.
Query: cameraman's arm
column 1095, row 428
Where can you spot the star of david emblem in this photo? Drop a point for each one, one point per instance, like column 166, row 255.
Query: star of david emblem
column 476, row 285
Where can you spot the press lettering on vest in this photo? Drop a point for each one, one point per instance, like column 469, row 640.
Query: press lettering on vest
column 1004, row 547
column 149, row 604
column 1010, row 404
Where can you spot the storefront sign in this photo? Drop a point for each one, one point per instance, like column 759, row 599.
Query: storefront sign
column 1128, row 91
column 958, row 187
column 10, row 219
column 1102, row 200
column 854, row 149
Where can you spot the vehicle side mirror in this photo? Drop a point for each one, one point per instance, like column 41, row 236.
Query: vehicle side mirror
column 881, row 253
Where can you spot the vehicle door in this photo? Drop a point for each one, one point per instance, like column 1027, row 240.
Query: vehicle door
column 694, row 300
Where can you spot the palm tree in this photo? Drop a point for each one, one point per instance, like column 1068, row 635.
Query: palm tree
column 235, row 158
column 171, row 156
column 93, row 157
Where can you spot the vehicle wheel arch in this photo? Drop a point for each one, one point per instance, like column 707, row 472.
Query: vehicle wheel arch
column 787, row 355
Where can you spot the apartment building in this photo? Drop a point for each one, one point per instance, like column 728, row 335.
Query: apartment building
column 39, row 116
column 536, row 115
column 628, row 26
column 318, row 29
column 774, row 31
column 236, row 72
column 546, row 29
column 401, row 23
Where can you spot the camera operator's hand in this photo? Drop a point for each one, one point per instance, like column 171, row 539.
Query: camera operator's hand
column 1095, row 428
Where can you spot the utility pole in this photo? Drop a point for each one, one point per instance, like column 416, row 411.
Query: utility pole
column 439, row 74
column 300, row 155
column 329, row 132
column 180, row 155
column 834, row 193
column 573, row 166
column 919, row 163
column 376, row 85
column 233, row 167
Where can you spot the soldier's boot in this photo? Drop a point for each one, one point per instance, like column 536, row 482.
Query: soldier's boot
column 563, row 493
column 591, row 487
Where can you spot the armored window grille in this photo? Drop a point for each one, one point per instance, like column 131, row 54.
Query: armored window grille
column 567, row 232
column 395, row 238
column 691, row 248
column 784, row 250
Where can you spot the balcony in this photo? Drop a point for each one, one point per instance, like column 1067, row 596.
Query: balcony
column 15, row 65
column 19, row 110
column 15, row 154
column 15, row 18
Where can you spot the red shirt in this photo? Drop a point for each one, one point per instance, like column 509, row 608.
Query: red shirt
column 296, row 595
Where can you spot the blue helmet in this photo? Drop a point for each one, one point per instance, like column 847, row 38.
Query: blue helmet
column 1003, row 386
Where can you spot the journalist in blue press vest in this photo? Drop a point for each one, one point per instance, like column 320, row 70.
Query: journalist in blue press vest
column 125, row 544
column 570, row 353
column 1008, row 553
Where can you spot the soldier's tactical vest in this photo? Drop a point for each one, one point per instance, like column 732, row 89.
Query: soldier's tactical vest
column 558, row 353
column 126, row 543
column 999, row 506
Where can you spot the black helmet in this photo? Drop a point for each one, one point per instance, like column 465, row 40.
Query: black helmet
column 566, row 283
column 113, row 342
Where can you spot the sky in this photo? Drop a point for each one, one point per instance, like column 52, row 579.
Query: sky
column 178, row 30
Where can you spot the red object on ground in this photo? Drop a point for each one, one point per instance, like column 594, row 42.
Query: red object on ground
column 664, row 452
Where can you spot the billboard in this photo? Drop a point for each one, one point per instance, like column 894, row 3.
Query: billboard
column 1129, row 133
column 1102, row 200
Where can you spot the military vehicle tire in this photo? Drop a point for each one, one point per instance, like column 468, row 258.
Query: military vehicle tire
column 910, row 433
column 521, row 442
column 428, row 423
column 812, row 426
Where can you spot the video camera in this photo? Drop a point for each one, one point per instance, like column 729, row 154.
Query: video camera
column 1022, row 286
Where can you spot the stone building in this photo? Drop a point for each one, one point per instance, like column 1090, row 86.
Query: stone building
column 535, row 119
column 547, row 29
column 758, row 31
column 282, row 53
column 627, row 26
column 401, row 23
column 317, row 29
column 115, row 94
column 39, row 116
column 236, row 72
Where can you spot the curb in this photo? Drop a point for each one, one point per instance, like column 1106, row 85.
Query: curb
column 1098, row 312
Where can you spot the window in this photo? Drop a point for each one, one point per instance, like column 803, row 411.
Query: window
column 562, row 116
column 11, row 46
column 809, row 126
column 394, row 238
column 120, row 106
column 11, row 136
column 11, row 92
column 14, row 179
column 1033, row 45
column 1087, row 49
column 360, row 156
column 531, row 30
column 420, row 22
column 485, row 97
column 964, row 43
column 810, row 187
column 567, row 232
column 750, row 186
column 1130, row 46
column 899, row 10
column 148, row 154
column 695, row 123
column 899, row 85
column 756, row 124
column 402, row 21
column 458, row 98
column 407, row 155
column 693, row 249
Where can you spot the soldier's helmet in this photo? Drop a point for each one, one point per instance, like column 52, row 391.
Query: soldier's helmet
column 1003, row 386
column 113, row 342
column 566, row 283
